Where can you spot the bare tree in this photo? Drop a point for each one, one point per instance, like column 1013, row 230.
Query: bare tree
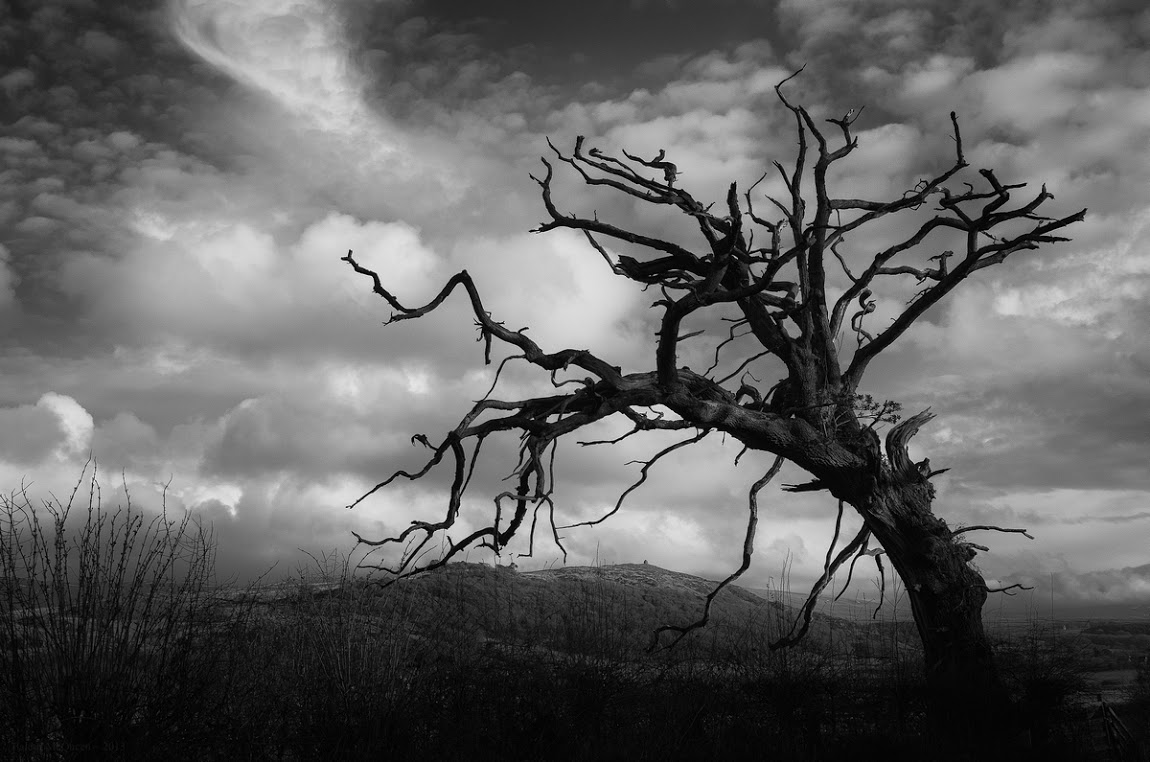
column 769, row 280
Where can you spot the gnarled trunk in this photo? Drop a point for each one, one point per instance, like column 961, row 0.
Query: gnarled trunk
column 968, row 702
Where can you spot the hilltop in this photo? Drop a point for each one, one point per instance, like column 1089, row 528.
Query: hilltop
column 602, row 610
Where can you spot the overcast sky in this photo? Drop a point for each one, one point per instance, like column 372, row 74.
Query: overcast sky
column 179, row 180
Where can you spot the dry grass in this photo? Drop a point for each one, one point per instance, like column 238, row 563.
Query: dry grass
column 110, row 638
column 117, row 643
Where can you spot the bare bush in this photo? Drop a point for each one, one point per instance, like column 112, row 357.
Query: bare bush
column 103, row 618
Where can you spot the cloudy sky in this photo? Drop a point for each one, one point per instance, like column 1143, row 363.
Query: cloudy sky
column 179, row 180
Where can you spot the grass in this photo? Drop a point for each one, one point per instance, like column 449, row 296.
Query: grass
column 110, row 639
column 118, row 643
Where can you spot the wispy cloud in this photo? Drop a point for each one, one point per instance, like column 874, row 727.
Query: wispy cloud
column 293, row 51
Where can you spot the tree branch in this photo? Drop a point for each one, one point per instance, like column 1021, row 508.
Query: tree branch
column 748, row 551
column 802, row 624
column 977, row 257
column 810, row 416
column 988, row 527
column 1008, row 588
column 897, row 440
column 642, row 478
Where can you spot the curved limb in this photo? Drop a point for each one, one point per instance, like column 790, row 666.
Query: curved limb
column 642, row 478
column 748, row 550
column 865, row 551
column 803, row 623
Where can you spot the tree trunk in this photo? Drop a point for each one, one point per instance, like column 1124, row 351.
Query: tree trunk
column 968, row 704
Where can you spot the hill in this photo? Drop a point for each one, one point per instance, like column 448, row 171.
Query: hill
column 601, row 610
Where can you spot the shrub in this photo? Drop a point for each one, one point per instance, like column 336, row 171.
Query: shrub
column 104, row 618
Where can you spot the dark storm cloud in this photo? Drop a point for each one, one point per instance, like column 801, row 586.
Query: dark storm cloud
column 1107, row 586
column 598, row 41
column 874, row 35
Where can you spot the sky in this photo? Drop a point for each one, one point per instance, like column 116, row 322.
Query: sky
column 178, row 182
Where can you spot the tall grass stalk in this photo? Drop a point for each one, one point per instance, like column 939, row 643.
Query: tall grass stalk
column 99, row 612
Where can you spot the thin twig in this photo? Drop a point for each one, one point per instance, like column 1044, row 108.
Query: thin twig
column 748, row 551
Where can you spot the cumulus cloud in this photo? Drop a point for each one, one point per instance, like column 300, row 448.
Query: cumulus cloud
column 56, row 425
column 75, row 422
column 175, row 205
column 15, row 81
column 274, row 435
column 1097, row 589
column 556, row 284
column 239, row 286
column 1130, row 584
column 28, row 434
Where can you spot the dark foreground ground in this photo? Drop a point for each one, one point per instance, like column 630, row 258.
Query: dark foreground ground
column 481, row 663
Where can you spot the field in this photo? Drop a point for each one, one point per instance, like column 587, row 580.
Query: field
column 533, row 666
column 117, row 644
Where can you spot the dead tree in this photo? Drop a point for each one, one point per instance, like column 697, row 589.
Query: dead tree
column 787, row 287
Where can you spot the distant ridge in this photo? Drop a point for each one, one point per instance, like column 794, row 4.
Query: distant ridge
column 645, row 575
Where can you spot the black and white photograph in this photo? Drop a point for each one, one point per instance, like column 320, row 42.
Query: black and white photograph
column 604, row 380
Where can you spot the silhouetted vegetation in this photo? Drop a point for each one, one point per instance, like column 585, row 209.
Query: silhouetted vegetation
column 118, row 643
column 111, row 641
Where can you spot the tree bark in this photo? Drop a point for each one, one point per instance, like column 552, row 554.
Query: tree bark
column 969, row 706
